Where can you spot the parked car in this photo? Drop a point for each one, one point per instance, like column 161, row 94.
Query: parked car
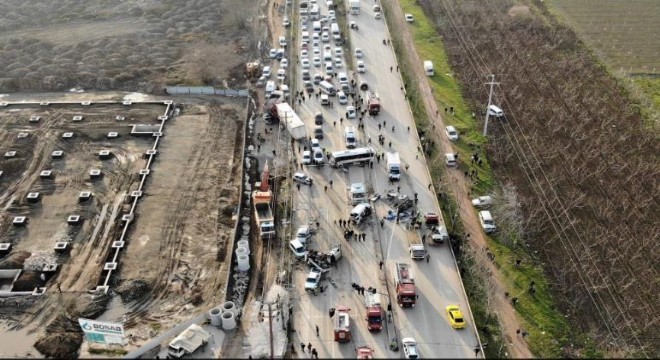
column 410, row 348
column 316, row 61
column 266, row 71
column 309, row 87
column 281, row 74
column 339, row 51
column 282, row 41
column 319, row 158
column 455, row 317
column 342, row 98
column 451, row 132
column 338, row 63
column 318, row 119
column 297, row 248
column 358, row 53
column 486, row 221
column 272, row 53
column 284, row 63
column 313, row 279
column 307, row 157
column 315, row 144
column 286, row 22
column 302, row 178
column 304, row 63
column 351, row 113
column 482, row 201
column 409, row 18
column 360, row 66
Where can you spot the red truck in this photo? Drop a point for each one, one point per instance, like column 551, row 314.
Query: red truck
column 373, row 102
column 375, row 313
column 342, row 325
column 406, row 295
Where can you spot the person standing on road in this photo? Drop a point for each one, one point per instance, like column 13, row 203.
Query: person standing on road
column 302, row 346
column 309, row 347
column 380, row 265
column 317, row 330
column 428, row 258
column 391, row 68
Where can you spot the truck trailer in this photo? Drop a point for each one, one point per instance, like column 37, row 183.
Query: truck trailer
column 293, row 123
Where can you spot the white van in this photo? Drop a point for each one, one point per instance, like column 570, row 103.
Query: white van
column 270, row 86
column 450, row 159
column 327, row 88
column 495, row 111
column 325, row 100
column 327, row 56
column 314, row 12
column 343, row 79
column 334, row 29
column 486, row 221
column 316, row 26
column 428, row 68
column 349, row 136
column 360, row 212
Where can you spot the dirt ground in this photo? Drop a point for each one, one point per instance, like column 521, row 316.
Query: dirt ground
column 460, row 187
column 177, row 245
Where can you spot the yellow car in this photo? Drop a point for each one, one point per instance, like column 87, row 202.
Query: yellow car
column 455, row 317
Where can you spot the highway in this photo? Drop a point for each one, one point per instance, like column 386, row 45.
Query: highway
column 437, row 281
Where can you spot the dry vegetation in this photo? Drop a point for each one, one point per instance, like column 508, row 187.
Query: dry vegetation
column 575, row 147
column 59, row 44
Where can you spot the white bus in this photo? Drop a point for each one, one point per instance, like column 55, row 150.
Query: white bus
column 348, row 157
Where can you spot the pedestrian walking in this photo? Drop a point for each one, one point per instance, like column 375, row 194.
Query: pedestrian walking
column 298, row 186
column 382, row 222
column 334, row 123
column 423, row 238
column 430, row 186
column 302, row 346
column 384, row 122
column 391, row 68
column 379, row 126
column 380, row 265
column 392, row 128
column 325, row 188
column 331, row 312
column 518, row 331
column 331, row 183
column 309, row 347
column 317, row 330
column 59, row 289
column 428, row 258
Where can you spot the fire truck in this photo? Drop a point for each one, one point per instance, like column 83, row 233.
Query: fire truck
column 375, row 313
column 406, row 295
column 342, row 325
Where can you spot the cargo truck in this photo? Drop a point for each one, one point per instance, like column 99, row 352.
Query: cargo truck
column 406, row 295
column 357, row 194
column 417, row 251
column 186, row 343
column 261, row 200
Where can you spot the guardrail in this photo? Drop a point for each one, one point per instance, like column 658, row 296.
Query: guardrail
column 205, row 90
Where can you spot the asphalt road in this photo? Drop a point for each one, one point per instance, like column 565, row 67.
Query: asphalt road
column 437, row 282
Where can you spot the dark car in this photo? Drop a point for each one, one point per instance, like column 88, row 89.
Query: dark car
column 318, row 118
column 309, row 87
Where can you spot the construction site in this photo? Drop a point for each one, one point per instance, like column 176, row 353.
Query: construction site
column 115, row 206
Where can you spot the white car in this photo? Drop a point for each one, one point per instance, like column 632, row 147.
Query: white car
column 360, row 66
column 284, row 63
column 338, row 63
column 315, row 144
column 316, row 61
column 307, row 157
column 325, row 37
column 266, row 71
column 377, row 16
column 304, row 53
column 342, row 98
column 304, row 63
column 286, row 22
column 316, row 51
column 319, row 158
column 298, row 248
column 451, row 132
column 358, row 53
column 339, row 52
column 327, row 47
column 315, row 38
column 410, row 348
column 331, row 13
column 272, row 53
column 281, row 74
column 351, row 113
column 282, row 41
column 482, row 201
column 409, row 18
column 302, row 178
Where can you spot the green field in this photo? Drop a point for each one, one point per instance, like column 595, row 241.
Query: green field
column 624, row 33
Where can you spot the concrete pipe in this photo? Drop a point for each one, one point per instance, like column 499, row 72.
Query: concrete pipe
column 231, row 307
column 228, row 320
column 242, row 251
column 243, row 262
column 244, row 244
column 215, row 315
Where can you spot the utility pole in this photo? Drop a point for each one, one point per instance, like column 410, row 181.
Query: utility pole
column 490, row 97
column 270, row 327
